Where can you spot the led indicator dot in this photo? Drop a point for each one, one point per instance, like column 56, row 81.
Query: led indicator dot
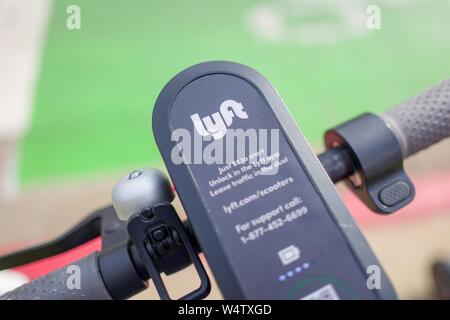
column 282, row 277
column 290, row 274
column 298, row 269
column 306, row 265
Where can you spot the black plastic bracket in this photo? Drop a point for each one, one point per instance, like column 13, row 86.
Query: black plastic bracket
column 379, row 179
column 159, row 234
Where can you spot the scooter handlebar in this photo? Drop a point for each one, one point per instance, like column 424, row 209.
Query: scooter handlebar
column 80, row 280
column 422, row 120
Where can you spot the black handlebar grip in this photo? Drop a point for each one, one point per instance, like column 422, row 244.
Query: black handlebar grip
column 423, row 120
column 80, row 280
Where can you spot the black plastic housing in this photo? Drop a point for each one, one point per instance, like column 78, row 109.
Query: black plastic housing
column 379, row 179
column 331, row 245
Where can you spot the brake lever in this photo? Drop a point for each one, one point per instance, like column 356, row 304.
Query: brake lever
column 103, row 222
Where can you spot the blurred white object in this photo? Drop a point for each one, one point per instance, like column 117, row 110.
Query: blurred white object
column 318, row 22
column 10, row 279
column 22, row 30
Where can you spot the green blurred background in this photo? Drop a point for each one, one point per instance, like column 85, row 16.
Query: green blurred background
column 97, row 85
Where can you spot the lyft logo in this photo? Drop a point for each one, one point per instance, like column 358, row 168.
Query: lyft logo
column 217, row 124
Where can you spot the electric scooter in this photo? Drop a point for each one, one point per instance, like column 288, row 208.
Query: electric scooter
column 261, row 206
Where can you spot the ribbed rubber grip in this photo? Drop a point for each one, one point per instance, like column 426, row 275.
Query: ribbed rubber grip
column 423, row 120
column 80, row 280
